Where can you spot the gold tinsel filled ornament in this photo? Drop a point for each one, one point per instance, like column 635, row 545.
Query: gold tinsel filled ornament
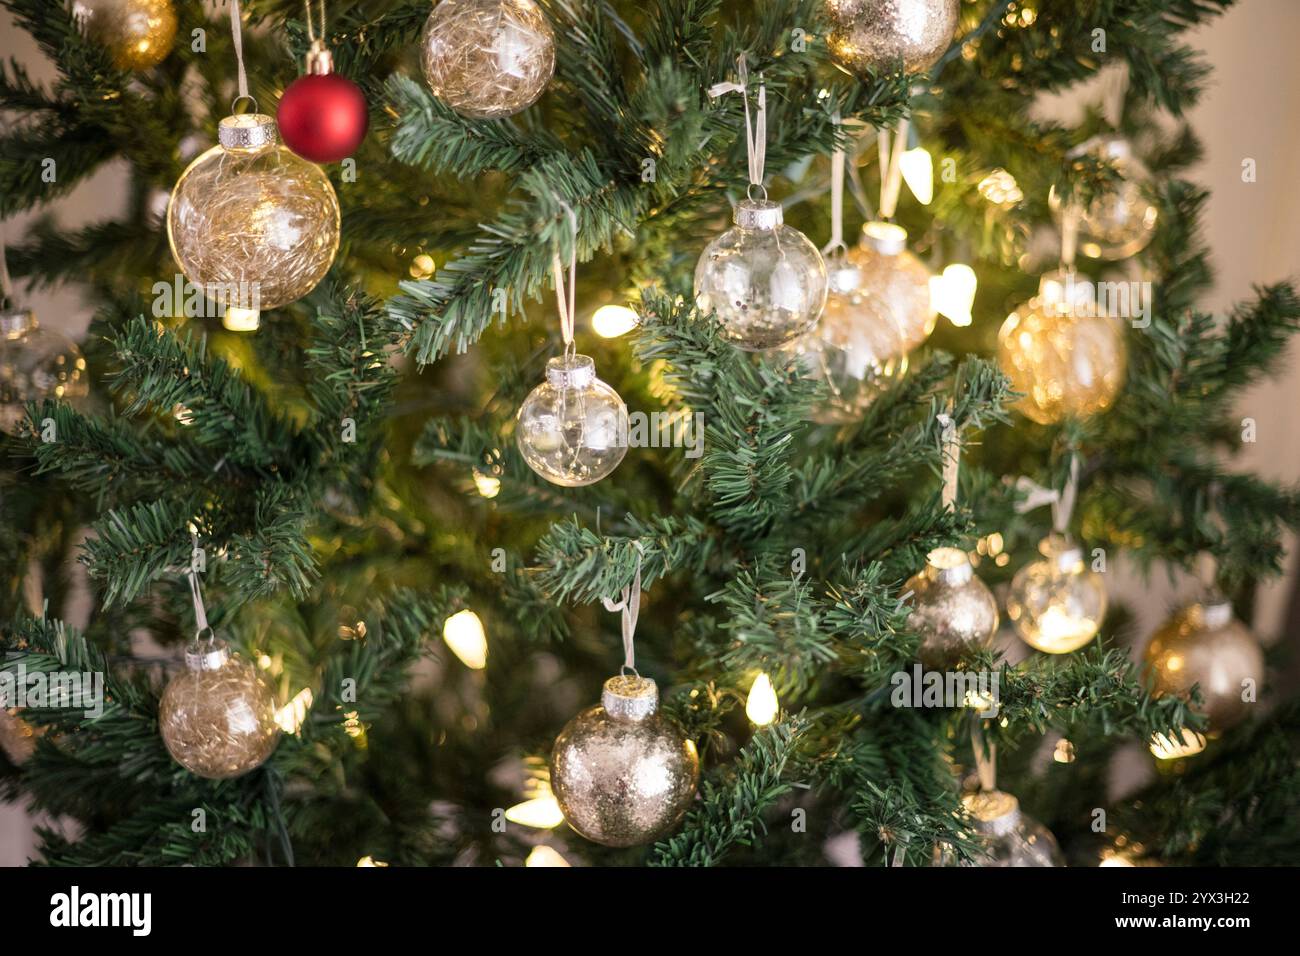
column 218, row 717
column 763, row 281
column 1204, row 644
column 898, row 278
column 488, row 58
column 953, row 611
column 890, row 35
column 138, row 34
column 1057, row 604
column 35, row 364
column 1008, row 836
column 1066, row 356
column 1121, row 221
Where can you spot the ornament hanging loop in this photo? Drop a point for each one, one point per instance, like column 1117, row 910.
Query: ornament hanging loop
column 319, row 58
column 755, row 128
column 891, row 148
column 836, row 244
column 630, row 606
column 951, row 459
column 566, row 291
column 236, row 35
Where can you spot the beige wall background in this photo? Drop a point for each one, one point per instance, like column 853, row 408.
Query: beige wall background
column 1253, row 229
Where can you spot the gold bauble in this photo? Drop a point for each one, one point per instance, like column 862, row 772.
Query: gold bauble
column 1121, row 221
column 856, row 350
column 35, row 364
column 217, row 718
column 898, row 278
column 1009, row 837
column 138, row 34
column 488, row 58
column 250, row 222
column 622, row 773
column 1057, row 604
column 953, row 611
column 1204, row 644
column 890, row 35
column 1066, row 359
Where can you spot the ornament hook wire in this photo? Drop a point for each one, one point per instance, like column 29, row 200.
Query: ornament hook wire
column 890, row 148
column 951, row 459
column 630, row 606
column 237, row 36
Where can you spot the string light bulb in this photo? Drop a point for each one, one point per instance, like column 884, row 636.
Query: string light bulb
column 239, row 319
column 464, row 634
column 541, row 812
column 545, row 856
column 761, row 706
column 611, row 321
column 952, row 293
column 918, row 172
column 1167, row 748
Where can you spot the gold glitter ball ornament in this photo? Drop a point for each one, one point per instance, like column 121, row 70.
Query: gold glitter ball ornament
column 1062, row 352
column 953, row 611
column 898, row 278
column 1057, row 604
column 1009, row 837
column 1121, row 221
column 623, row 773
column 855, row 351
column 1205, row 644
column 488, row 58
column 764, row 281
column 888, row 36
column 217, row 718
column 251, row 223
column 36, row 364
column 138, row 34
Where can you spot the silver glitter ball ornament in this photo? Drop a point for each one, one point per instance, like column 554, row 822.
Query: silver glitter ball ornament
column 623, row 773
column 885, row 36
column 953, row 611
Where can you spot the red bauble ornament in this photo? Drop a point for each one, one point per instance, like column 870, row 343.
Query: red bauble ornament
column 323, row 117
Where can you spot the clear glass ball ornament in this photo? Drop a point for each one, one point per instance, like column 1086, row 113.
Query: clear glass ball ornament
column 856, row 350
column 1057, row 604
column 1067, row 358
column 572, row 429
column 1009, row 837
column 897, row 277
column 36, row 364
column 138, row 34
column 1121, row 221
column 487, row 58
column 251, row 223
column 623, row 774
column 884, row 37
column 217, row 718
column 763, row 280
column 953, row 611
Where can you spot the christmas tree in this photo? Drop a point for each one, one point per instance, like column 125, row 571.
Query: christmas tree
column 345, row 595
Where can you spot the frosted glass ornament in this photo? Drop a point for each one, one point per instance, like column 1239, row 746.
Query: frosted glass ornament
column 763, row 280
column 897, row 277
column 217, row 718
column 1067, row 360
column 572, row 429
column 250, row 222
column 856, row 350
column 1057, row 603
column 953, row 611
column 36, row 364
column 487, row 58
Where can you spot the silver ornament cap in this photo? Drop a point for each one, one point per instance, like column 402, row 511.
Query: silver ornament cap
column 14, row 322
column 579, row 371
column 630, row 697
column 758, row 214
column 204, row 655
column 949, row 566
column 993, row 812
column 247, row 131
column 885, row 238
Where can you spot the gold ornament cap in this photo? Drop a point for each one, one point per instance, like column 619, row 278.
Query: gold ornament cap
column 247, row 131
column 630, row 697
column 758, row 214
column 319, row 59
column 576, row 372
column 207, row 655
column 1065, row 290
column 993, row 812
column 885, row 238
column 950, row 566
column 14, row 322
column 1212, row 612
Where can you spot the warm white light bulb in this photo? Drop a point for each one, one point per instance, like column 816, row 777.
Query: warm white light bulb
column 918, row 172
column 545, row 856
column 464, row 634
column 488, row 486
column 540, row 813
column 953, row 293
column 1165, row 748
column 761, row 707
column 611, row 321
column 238, row 319
column 367, row 861
column 291, row 715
